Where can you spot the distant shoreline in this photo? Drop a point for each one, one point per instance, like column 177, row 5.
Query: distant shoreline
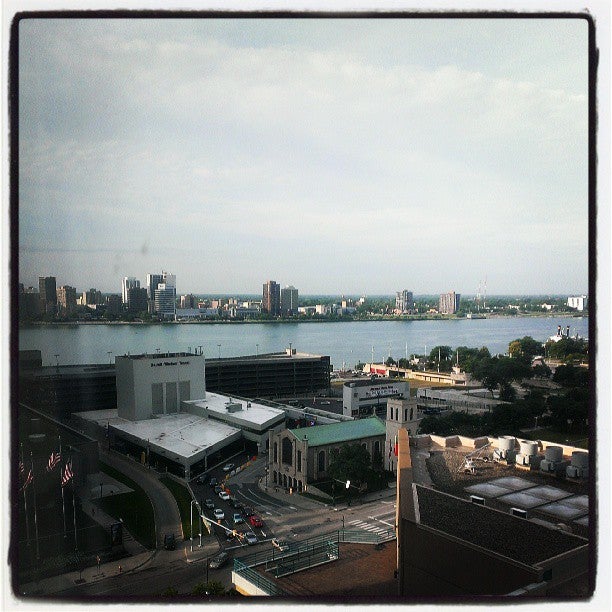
column 381, row 318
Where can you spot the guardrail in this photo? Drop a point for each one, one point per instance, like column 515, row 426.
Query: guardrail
column 261, row 582
column 365, row 537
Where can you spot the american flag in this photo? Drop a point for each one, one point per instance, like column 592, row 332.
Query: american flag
column 54, row 459
column 395, row 448
column 67, row 474
column 21, row 468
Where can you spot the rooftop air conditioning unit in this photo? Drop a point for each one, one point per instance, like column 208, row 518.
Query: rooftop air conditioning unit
column 518, row 512
column 477, row 500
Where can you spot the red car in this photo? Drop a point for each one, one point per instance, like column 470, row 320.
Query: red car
column 255, row 521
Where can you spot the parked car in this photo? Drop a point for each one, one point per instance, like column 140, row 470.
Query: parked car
column 202, row 479
column 209, row 504
column 280, row 544
column 228, row 467
column 213, row 482
column 238, row 518
column 248, row 511
column 255, row 521
column 251, row 538
column 219, row 514
column 169, row 541
column 218, row 489
column 218, row 560
column 224, row 495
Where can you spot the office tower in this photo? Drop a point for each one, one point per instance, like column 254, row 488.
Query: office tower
column 128, row 283
column 449, row 303
column 289, row 300
column 152, row 281
column 114, row 304
column 271, row 298
column 92, row 297
column 48, row 294
column 164, row 301
column 404, row 301
column 188, row 301
column 137, row 300
column 66, row 299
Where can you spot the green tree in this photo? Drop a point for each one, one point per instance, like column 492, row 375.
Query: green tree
column 525, row 347
column 469, row 358
column 567, row 349
column 212, row 588
column 350, row 462
column 442, row 356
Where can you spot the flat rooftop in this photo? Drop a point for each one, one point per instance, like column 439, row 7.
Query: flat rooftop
column 499, row 532
column 250, row 412
column 362, row 572
column 181, row 436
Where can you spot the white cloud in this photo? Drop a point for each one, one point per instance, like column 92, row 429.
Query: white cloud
column 180, row 135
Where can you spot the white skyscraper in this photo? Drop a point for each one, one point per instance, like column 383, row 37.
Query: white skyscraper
column 127, row 283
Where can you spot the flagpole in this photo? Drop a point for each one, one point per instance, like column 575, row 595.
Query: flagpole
column 76, row 546
column 35, row 514
column 62, row 488
column 25, row 504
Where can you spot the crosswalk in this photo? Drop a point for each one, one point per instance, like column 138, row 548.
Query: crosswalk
column 378, row 527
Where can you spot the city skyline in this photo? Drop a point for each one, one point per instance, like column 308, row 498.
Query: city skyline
column 335, row 154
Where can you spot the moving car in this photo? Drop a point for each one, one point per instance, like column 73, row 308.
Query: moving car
column 213, row 482
column 209, row 504
column 224, row 495
column 234, row 503
column 280, row 544
column 228, row 467
column 218, row 560
column 247, row 511
column 219, row 514
column 238, row 518
column 251, row 538
column 255, row 521
column 218, row 489
column 202, row 479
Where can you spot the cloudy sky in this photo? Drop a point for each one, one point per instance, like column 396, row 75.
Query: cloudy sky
column 339, row 156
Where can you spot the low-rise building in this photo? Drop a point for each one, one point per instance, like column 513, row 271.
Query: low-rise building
column 362, row 398
column 299, row 456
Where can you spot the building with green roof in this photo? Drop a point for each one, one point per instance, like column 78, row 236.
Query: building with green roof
column 299, row 456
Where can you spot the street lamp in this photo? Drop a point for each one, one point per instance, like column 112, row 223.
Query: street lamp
column 109, row 353
column 219, row 347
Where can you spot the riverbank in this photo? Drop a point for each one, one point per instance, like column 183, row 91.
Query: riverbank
column 343, row 319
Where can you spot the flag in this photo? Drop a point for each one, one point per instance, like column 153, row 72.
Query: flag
column 28, row 480
column 67, row 474
column 21, row 469
column 54, row 459
column 395, row 450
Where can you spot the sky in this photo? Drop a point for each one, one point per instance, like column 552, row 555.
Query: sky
column 361, row 156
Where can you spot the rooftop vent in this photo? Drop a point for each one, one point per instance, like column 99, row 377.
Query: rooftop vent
column 477, row 500
column 233, row 406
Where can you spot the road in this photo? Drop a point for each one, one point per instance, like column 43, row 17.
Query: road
column 281, row 518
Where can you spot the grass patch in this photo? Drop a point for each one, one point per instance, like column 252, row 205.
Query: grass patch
column 134, row 508
column 183, row 499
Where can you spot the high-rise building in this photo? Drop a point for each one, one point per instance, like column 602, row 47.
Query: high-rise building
column 449, row 303
column 404, row 301
column 48, row 294
column 164, row 303
column 579, row 302
column 137, row 300
column 189, row 301
column 114, row 304
column 152, row 281
column 128, row 282
column 289, row 300
column 166, row 295
column 92, row 297
column 66, row 299
column 271, row 298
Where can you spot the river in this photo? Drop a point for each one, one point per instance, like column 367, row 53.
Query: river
column 345, row 342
